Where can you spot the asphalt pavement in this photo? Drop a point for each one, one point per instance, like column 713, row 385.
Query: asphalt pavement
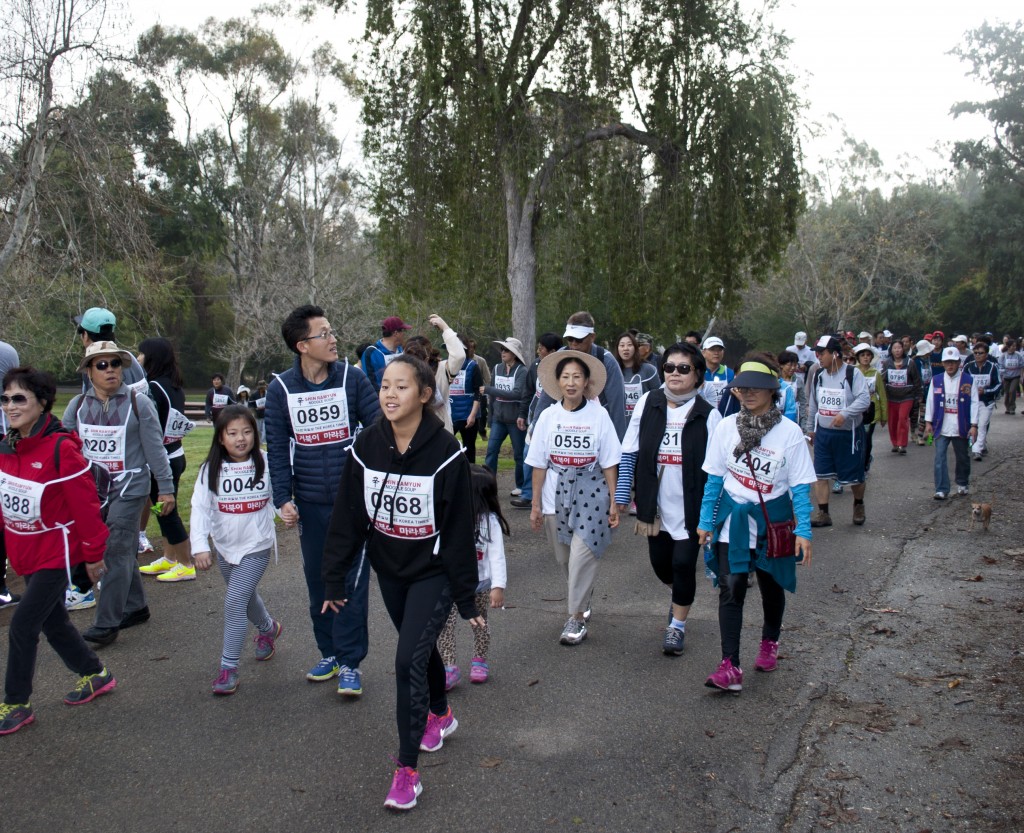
column 610, row 735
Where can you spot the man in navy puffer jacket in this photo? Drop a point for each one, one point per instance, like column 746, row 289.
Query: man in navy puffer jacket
column 312, row 414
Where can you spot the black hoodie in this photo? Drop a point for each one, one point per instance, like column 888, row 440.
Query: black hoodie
column 412, row 531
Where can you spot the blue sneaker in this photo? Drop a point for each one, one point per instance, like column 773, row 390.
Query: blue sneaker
column 350, row 681
column 323, row 670
column 75, row 599
column 837, row 487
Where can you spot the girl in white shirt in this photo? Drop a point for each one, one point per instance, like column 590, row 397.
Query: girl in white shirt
column 231, row 506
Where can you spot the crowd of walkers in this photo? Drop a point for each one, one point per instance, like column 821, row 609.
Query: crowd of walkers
column 374, row 464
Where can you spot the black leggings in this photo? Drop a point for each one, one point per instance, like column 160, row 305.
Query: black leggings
column 171, row 526
column 419, row 610
column 468, row 434
column 732, row 592
column 675, row 563
column 869, row 434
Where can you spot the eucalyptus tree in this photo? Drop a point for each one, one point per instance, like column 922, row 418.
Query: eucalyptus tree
column 476, row 109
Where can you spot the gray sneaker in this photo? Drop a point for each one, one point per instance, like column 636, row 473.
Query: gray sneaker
column 672, row 645
column 265, row 642
column 226, row 682
column 574, row 632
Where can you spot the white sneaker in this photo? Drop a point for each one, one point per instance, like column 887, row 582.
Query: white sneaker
column 144, row 545
column 574, row 632
column 516, row 492
column 75, row 599
column 962, row 490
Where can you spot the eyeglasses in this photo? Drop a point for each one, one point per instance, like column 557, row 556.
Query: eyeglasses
column 17, row 399
column 850, row 359
column 745, row 391
column 103, row 364
column 325, row 335
column 979, row 352
column 681, row 369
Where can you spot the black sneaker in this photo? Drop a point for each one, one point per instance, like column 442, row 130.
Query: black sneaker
column 8, row 599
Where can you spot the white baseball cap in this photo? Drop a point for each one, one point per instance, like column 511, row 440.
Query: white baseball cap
column 712, row 341
column 886, row 333
column 962, row 338
column 863, row 334
column 950, row 354
column 800, row 339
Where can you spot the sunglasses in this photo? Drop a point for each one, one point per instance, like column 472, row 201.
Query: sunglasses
column 17, row 399
column 103, row 364
column 681, row 369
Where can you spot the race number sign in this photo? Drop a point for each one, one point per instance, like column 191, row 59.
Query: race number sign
column 670, row 453
column 830, row 401
column 573, row 445
column 765, row 462
column 319, row 417
column 21, row 501
column 220, row 400
column 178, row 426
column 104, row 444
column 898, row 377
column 239, row 492
column 633, row 394
column 400, row 505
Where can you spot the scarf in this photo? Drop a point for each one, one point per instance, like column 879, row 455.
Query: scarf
column 752, row 429
column 680, row 398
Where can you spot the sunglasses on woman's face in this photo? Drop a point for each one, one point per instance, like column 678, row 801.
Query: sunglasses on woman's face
column 681, row 369
column 17, row 399
column 103, row 364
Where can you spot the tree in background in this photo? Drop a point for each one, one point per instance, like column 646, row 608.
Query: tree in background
column 476, row 112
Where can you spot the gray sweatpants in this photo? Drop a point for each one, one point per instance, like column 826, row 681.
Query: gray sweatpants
column 579, row 565
column 121, row 591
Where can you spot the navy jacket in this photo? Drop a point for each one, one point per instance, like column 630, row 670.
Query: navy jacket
column 313, row 473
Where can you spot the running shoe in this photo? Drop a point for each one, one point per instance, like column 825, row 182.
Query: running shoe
column 13, row 717
column 155, row 568
column 8, row 599
column 858, row 514
column 265, row 641
column 323, row 670
column 521, row 503
column 144, row 545
column 962, row 490
column 939, row 496
column 405, row 788
column 452, row 675
column 574, row 632
column 903, row 449
column 179, row 572
column 820, row 518
column 515, row 493
column 672, row 644
column 727, row 677
column 90, row 687
column 439, row 726
column 479, row 672
column 837, row 487
column 977, row 458
column 350, row 681
column 226, row 682
column 768, row 656
column 75, row 599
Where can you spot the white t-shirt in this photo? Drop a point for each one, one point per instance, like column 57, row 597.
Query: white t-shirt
column 670, row 455
column 582, row 439
column 781, row 461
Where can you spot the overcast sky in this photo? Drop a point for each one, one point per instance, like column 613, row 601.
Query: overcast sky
column 881, row 66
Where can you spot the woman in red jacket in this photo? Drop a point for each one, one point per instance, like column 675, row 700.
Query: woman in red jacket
column 51, row 515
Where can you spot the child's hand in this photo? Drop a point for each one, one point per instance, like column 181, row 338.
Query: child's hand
column 201, row 560
column 497, row 597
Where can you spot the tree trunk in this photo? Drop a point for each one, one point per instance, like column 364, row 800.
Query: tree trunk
column 522, row 266
column 235, row 367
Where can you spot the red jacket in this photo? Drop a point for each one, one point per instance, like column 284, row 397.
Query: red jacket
column 73, row 502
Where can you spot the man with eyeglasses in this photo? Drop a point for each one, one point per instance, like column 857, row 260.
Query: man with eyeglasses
column 312, row 413
column 837, row 397
column 989, row 388
column 122, row 432
column 717, row 375
column 378, row 356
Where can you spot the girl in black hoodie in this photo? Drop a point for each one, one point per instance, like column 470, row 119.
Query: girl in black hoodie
column 403, row 497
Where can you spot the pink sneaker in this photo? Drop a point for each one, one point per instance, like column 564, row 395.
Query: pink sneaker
column 265, row 641
column 438, row 728
column 479, row 672
column 768, row 656
column 405, row 787
column 452, row 675
column 727, row 677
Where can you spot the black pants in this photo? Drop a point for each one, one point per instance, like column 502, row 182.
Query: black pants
column 732, row 592
column 42, row 611
column 468, row 433
column 869, row 434
column 171, row 526
column 675, row 563
column 3, row 560
column 419, row 610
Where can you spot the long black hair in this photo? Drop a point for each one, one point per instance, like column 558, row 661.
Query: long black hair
column 218, row 454
column 484, row 486
column 160, row 360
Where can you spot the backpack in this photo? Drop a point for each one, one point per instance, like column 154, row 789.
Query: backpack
column 100, row 477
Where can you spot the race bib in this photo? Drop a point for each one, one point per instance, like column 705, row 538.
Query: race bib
column 633, row 394
column 765, row 462
column 178, row 426
column 21, row 501
column 238, row 492
column 458, row 385
column 506, row 384
column 981, row 381
column 402, row 506
column 479, row 554
column 949, row 402
column 830, row 401
column 390, row 357
column 220, row 400
column 141, row 387
column 261, row 402
column 320, row 417
column 670, row 453
column 104, row 444
column 897, row 378
column 573, row 445
column 872, row 381
column 713, row 391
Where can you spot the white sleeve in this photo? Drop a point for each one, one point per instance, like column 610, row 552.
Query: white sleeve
column 496, row 553
column 631, row 442
column 199, row 523
column 610, row 452
column 928, row 404
column 538, row 454
column 714, row 459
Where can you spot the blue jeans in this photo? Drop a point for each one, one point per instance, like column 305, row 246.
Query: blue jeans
column 343, row 635
column 500, row 430
column 527, row 486
column 963, row 462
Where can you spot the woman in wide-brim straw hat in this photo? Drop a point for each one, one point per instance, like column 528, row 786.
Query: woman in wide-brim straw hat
column 923, row 361
column 755, row 451
column 575, row 455
column 506, row 395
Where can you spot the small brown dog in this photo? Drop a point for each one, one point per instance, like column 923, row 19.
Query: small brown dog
column 980, row 512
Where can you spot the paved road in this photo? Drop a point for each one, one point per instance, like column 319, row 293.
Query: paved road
column 607, row 736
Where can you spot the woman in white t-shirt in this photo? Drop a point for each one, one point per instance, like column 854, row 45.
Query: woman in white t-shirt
column 575, row 456
column 755, row 452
